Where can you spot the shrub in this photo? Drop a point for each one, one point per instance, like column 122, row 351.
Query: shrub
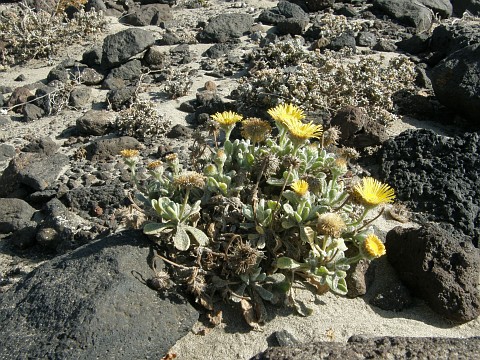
column 260, row 213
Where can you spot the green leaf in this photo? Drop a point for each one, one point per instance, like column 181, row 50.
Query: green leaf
column 198, row 234
column 287, row 263
column 181, row 240
column 307, row 234
column 275, row 182
column 288, row 209
column 156, row 228
column 264, row 294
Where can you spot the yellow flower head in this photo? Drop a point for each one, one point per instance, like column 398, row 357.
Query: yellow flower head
column 227, row 118
column 154, row 164
column 129, row 153
column 300, row 187
column 255, row 129
column 300, row 132
column 285, row 112
column 330, row 224
column 190, row 179
column 171, row 157
column 371, row 192
column 372, row 247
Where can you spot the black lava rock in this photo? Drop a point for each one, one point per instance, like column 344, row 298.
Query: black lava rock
column 89, row 304
column 437, row 176
column 440, row 266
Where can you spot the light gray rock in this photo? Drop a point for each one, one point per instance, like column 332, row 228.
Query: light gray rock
column 14, row 214
column 120, row 47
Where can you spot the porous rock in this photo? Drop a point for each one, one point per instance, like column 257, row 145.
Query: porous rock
column 42, row 145
column 407, row 12
column 440, row 266
column 119, row 98
column 93, row 303
column 436, row 176
column 120, row 47
column 14, row 214
column 359, row 347
column 224, row 27
column 450, row 37
column 80, row 96
column 357, row 129
column 19, row 96
column 443, row 8
column 456, row 82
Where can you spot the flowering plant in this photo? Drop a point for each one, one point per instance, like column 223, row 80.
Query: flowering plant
column 265, row 211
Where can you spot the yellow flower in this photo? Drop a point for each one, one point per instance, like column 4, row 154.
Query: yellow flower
column 227, row 118
column 300, row 187
column 190, row 179
column 299, row 132
column 372, row 192
column 171, row 157
column 372, row 247
column 255, row 129
column 129, row 153
column 330, row 224
column 285, row 112
column 154, row 164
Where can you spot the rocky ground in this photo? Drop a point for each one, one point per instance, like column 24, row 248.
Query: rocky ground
column 63, row 205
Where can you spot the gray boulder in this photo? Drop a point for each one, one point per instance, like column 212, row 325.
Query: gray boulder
column 436, row 176
column 448, row 38
column 93, row 303
column 95, row 122
column 34, row 170
column 130, row 71
column 105, row 149
column 440, row 266
column 154, row 14
column 408, row 12
column 443, row 8
column 15, row 214
column 359, row 347
column 456, row 82
column 120, row 47
column 225, row 27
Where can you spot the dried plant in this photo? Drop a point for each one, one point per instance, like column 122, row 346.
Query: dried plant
column 324, row 82
column 141, row 120
column 28, row 34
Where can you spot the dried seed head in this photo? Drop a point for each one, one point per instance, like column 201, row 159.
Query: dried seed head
column 190, row 180
column 349, row 153
column 243, row 258
column 268, row 162
column 331, row 136
column 255, row 129
column 330, row 224
column 292, row 161
column 314, row 183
